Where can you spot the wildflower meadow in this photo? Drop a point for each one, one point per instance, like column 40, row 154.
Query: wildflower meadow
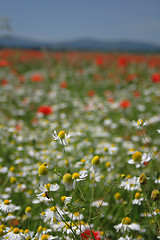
column 79, row 145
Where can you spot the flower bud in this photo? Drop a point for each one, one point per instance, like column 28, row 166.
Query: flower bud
column 155, row 195
column 96, row 160
column 143, row 179
column 123, row 176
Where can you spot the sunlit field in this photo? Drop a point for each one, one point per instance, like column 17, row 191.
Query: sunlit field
column 79, row 145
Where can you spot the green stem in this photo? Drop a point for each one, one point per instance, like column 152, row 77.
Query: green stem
column 92, row 193
column 106, row 195
column 4, row 184
column 150, row 210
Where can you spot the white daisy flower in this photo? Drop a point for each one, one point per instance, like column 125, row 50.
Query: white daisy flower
column 9, row 217
column 78, row 177
column 53, row 213
column 139, row 124
column 127, row 225
column 66, row 200
column 125, row 238
column 58, row 227
column 140, row 160
column 48, row 237
column 131, row 184
column 7, row 207
column 3, row 169
column 61, row 137
column 15, row 235
column 98, row 203
column 76, row 216
column 47, row 189
column 137, row 201
column 50, row 215
column 157, row 180
column 158, row 130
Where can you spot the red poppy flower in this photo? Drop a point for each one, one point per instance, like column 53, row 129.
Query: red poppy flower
column 125, row 104
column 87, row 234
column 91, row 93
column 4, row 82
column 64, row 84
column 156, row 77
column 46, row 110
column 122, row 61
column 99, row 60
column 3, row 63
column 37, row 78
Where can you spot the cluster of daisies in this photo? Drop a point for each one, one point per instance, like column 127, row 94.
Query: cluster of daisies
column 78, row 159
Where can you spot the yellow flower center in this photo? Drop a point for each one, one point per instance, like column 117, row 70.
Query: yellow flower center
column 11, row 169
column 47, row 186
column 75, row 176
column 105, row 149
column 117, row 196
column 157, row 210
column 137, row 195
column 3, row 227
column 140, row 122
column 76, row 214
column 53, row 209
column 39, row 230
column 26, row 231
column 137, row 156
column 83, row 160
column 108, row 164
column 44, row 237
column 96, row 160
column 128, row 176
column 16, row 231
column 61, row 134
column 63, row 198
column 42, row 214
column 67, row 178
column 126, row 220
column 28, row 210
column 42, row 170
column 6, row 202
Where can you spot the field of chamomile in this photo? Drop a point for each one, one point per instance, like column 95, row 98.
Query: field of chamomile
column 79, row 145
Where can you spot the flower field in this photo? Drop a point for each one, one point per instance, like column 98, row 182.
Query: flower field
column 79, row 145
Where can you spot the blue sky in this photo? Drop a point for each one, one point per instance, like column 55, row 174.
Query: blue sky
column 58, row 20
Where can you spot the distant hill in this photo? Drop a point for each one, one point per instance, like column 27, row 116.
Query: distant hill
column 81, row 44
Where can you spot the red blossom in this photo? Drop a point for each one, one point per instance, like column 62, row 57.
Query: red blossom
column 46, row 110
column 99, row 60
column 91, row 93
column 3, row 63
column 156, row 78
column 4, row 82
column 87, row 234
column 125, row 104
column 37, row 78
column 64, row 84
